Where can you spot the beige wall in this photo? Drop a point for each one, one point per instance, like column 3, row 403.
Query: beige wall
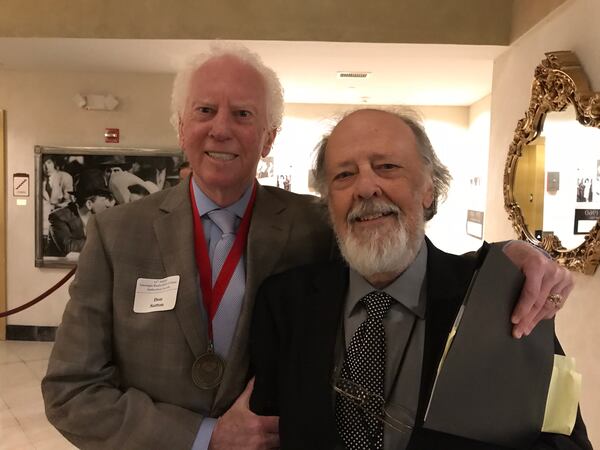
column 40, row 110
column 407, row 21
column 526, row 13
column 571, row 27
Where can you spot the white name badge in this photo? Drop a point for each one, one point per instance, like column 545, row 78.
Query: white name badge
column 155, row 295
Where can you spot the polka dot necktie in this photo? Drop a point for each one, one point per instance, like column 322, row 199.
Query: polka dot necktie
column 365, row 366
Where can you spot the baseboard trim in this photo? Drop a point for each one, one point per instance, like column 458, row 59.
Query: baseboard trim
column 30, row 333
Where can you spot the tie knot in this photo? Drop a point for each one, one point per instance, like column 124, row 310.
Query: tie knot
column 224, row 219
column 377, row 304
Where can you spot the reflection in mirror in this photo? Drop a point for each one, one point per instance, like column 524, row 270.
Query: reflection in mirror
column 552, row 172
column 557, row 179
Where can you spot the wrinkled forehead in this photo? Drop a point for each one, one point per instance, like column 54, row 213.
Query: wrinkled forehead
column 370, row 131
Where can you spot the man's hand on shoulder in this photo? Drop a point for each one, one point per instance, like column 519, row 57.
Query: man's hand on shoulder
column 241, row 428
column 543, row 278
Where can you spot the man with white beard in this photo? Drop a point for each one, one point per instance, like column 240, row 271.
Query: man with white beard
column 373, row 326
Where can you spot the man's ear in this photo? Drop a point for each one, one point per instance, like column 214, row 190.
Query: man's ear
column 269, row 143
column 428, row 195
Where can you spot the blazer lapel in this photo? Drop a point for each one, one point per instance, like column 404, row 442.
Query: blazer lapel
column 175, row 235
column 267, row 238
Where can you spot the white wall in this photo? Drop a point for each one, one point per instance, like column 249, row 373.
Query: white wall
column 573, row 26
column 463, row 147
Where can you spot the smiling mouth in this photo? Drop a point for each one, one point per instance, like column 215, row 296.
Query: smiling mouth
column 369, row 217
column 221, row 156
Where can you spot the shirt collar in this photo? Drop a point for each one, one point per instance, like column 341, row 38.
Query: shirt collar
column 406, row 289
column 206, row 205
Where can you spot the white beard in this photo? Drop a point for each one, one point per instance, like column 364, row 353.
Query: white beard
column 381, row 251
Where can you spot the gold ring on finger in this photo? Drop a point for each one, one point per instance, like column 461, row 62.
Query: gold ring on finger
column 556, row 300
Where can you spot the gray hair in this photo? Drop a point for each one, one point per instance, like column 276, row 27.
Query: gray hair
column 440, row 175
column 273, row 88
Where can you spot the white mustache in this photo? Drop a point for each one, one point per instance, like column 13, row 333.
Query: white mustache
column 370, row 207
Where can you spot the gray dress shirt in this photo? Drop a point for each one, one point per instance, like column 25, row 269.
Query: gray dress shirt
column 405, row 335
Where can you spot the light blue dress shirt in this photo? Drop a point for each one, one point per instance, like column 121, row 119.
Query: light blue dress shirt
column 212, row 233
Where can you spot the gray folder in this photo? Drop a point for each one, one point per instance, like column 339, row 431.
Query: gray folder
column 491, row 387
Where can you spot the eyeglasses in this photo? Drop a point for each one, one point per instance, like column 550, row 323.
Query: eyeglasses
column 373, row 404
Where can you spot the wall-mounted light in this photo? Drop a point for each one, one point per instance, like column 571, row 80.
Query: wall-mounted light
column 96, row 102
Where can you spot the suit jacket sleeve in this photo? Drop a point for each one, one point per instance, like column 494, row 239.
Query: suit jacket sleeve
column 264, row 353
column 82, row 392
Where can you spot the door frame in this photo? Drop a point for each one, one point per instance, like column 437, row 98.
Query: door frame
column 3, row 305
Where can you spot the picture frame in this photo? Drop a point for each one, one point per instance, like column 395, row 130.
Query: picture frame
column 73, row 183
column 585, row 219
column 474, row 225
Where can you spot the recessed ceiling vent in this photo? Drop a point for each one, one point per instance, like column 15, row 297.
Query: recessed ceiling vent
column 354, row 75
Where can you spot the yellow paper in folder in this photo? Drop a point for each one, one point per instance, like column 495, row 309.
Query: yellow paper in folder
column 563, row 396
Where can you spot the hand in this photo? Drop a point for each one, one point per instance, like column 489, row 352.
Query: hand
column 240, row 428
column 543, row 277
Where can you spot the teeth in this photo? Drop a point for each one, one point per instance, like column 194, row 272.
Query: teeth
column 371, row 217
column 221, row 156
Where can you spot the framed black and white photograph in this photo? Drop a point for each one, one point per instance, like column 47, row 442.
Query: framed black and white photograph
column 72, row 184
column 265, row 168
column 474, row 225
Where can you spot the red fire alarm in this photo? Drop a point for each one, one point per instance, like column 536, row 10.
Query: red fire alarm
column 111, row 135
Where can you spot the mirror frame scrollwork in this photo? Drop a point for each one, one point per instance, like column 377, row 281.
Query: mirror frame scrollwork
column 559, row 81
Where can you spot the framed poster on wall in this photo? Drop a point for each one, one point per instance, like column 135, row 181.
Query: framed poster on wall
column 474, row 225
column 74, row 183
column 585, row 220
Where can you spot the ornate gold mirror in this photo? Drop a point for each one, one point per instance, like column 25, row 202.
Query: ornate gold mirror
column 552, row 173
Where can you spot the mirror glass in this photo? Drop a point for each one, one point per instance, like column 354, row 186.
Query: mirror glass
column 557, row 179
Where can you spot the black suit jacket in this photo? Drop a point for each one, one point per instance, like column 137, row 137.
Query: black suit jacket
column 293, row 342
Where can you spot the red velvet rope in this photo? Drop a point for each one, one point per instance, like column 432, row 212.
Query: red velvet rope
column 39, row 297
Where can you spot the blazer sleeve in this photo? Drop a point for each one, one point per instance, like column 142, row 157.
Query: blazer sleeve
column 82, row 392
column 264, row 354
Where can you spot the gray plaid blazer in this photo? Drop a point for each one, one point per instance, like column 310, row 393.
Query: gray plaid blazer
column 118, row 379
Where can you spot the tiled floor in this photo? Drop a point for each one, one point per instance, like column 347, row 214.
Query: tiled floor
column 23, row 424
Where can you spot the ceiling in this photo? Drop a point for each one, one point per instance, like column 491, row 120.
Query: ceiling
column 412, row 74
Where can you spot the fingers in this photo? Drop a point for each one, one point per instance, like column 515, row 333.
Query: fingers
column 542, row 278
column 244, row 397
column 534, row 306
column 240, row 428
column 528, row 297
column 530, row 261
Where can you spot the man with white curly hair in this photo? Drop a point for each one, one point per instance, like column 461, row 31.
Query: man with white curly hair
column 153, row 350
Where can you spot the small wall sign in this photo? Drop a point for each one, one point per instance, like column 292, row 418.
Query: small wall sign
column 21, row 185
